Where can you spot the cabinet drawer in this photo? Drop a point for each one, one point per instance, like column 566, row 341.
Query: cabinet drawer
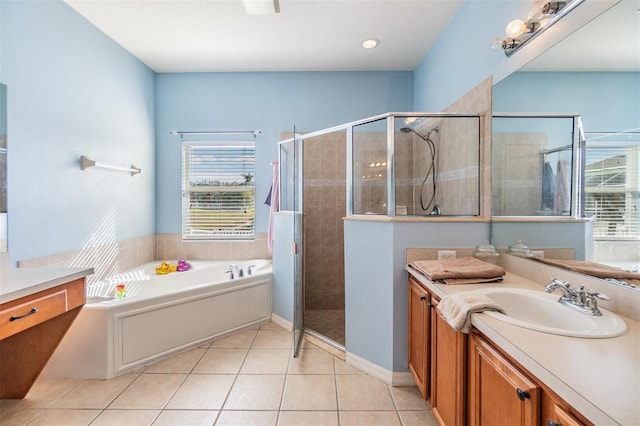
column 32, row 312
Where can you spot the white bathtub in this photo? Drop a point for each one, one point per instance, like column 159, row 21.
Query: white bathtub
column 160, row 316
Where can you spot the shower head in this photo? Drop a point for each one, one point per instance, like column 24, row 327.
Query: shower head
column 435, row 129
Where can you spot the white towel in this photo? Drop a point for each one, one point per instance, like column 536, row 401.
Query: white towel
column 456, row 308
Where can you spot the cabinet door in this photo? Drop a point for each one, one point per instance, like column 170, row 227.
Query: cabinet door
column 556, row 412
column 499, row 394
column 419, row 319
column 448, row 372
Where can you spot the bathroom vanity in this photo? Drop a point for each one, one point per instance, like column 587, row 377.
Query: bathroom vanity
column 37, row 307
column 503, row 373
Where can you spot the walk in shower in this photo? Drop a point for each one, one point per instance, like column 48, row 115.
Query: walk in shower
column 395, row 166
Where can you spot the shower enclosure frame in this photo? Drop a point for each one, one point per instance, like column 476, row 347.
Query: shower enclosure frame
column 298, row 188
column 577, row 147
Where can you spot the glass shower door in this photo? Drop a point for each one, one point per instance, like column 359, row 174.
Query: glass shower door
column 297, row 247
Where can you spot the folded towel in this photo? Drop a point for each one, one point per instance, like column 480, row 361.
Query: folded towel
column 594, row 269
column 461, row 270
column 456, row 308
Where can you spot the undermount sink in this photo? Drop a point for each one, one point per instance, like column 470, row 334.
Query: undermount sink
column 540, row 311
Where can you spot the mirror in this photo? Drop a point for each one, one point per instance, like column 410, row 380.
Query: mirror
column 594, row 72
column 3, row 168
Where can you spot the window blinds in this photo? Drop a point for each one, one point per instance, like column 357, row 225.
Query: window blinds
column 218, row 191
column 612, row 189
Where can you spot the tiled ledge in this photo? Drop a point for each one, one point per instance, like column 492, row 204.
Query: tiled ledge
column 115, row 257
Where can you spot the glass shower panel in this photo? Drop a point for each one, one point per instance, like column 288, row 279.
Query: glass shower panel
column 323, row 209
column 437, row 165
column 533, row 161
column 298, row 236
column 370, row 168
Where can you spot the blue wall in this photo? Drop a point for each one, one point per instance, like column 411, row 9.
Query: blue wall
column 606, row 101
column 461, row 58
column 270, row 102
column 73, row 91
column 376, row 281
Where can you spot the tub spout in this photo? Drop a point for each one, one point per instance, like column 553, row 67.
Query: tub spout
column 234, row 271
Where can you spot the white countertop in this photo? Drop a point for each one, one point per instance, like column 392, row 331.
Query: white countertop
column 600, row 378
column 19, row 282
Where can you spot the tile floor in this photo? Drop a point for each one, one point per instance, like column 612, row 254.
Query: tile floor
column 245, row 379
column 328, row 322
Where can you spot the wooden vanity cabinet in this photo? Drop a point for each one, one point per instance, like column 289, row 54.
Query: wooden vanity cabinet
column 498, row 392
column 31, row 328
column 468, row 380
column 419, row 336
column 448, row 370
column 436, row 356
column 556, row 412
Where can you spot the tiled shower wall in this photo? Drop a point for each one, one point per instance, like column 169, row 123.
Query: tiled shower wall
column 517, row 173
column 370, row 172
column 477, row 100
column 116, row 257
column 457, row 165
column 324, row 208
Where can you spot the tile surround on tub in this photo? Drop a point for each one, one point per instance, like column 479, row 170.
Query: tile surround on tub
column 113, row 258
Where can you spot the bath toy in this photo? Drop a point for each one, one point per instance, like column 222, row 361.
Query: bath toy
column 165, row 268
column 182, row 266
column 121, row 291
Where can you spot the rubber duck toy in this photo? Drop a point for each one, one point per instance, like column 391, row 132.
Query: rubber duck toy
column 121, row 291
column 165, row 268
column 182, row 266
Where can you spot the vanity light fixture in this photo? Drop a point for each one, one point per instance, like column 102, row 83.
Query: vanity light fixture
column 370, row 43
column 542, row 14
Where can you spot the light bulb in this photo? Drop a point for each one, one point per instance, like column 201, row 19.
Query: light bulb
column 496, row 44
column 515, row 28
column 536, row 9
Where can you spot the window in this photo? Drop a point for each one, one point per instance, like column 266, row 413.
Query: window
column 612, row 189
column 218, row 190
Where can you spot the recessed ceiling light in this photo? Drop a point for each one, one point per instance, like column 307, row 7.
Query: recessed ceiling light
column 370, row 43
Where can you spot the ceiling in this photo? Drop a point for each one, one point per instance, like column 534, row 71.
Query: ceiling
column 307, row 35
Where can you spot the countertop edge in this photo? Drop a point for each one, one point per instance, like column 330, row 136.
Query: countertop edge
column 21, row 282
column 573, row 397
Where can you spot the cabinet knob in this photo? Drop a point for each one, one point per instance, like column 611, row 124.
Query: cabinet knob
column 522, row 395
column 552, row 423
column 423, row 297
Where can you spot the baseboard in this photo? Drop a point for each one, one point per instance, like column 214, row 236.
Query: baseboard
column 402, row 379
column 392, row 378
column 281, row 322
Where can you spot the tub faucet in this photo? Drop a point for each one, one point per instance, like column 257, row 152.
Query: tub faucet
column 234, row 271
column 585, row 301
column 250, row 270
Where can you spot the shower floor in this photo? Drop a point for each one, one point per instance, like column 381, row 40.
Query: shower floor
column 328, row 322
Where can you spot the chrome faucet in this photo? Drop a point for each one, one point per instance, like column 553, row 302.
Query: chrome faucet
column 234, row 271
column 585, row 301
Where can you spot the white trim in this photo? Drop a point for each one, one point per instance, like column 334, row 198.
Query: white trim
column 393, row 378
column 281, row 322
